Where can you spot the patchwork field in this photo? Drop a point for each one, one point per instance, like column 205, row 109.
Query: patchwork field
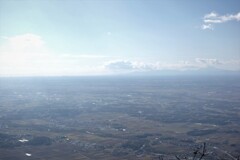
column 119, row 117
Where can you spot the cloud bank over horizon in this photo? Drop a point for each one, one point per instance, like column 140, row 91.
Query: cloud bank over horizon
column 28, row 54
column 197, row 64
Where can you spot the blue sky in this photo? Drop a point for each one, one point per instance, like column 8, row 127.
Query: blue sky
column 70, row 37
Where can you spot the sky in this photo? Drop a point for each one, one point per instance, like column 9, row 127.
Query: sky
column 102, row 37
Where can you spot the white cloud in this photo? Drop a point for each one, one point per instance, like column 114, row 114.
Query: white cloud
column 124, row 66
column 211, row 15
column 207, row 26
column 215, row 18
column 27, row 55
column 22, row 51
column 127, row 65
column 119, row 65
column 208, row 61
column 23, row 43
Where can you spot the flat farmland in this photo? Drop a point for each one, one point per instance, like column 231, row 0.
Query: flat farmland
column 119, row 117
